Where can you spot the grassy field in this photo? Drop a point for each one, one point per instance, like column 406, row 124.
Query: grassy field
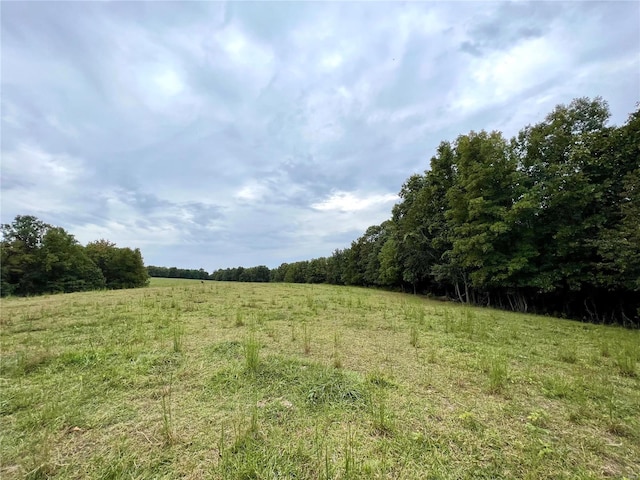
column 221, row 380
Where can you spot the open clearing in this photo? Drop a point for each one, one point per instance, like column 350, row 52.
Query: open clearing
column 232, row 380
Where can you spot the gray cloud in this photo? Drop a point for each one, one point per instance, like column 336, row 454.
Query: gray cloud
column 215, row 135
column 511, row 23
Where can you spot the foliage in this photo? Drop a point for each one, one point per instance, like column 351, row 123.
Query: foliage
column 122, row 267
column 39, row 258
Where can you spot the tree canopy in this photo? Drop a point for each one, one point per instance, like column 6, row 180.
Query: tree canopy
column 39, row 258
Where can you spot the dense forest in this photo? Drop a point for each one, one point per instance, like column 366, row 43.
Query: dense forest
column 39, row 258
column 547, row 222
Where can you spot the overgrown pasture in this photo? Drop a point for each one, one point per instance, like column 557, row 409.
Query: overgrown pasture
column 229, row 380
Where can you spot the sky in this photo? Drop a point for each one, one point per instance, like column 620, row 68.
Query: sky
column 212, row 135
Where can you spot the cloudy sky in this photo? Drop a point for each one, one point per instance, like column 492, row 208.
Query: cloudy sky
column 222, row 134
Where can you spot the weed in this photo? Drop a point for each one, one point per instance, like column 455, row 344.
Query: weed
column 379, row 379
column 569, row 354
column 251, row 352
column 557, row 386
column 254, row 431
column 39, row 465
column 414, row 336
column 222, row 446
column 239, row 318
column 578, row 414
column 306, row 339
column 467, row 322
column 470, row 422
column 349, row 455
column 310, row 302
column 334, row 387
column 447, row 321
column 337, row 359
column 167, row 418
column 382, row 417
column 328, row 470
column 625, row 360
column 498, row 372
column 293, row 332
column 178, row 337
column 619, row 429
column 538, row 418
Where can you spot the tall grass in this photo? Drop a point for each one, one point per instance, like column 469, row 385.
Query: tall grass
column 496, row 368
column 252, row 351
column 306, row 339
column 167, row 417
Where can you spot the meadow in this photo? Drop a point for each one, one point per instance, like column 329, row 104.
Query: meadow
column 218, row 380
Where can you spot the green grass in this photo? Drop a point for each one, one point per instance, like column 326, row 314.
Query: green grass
column 228, row 380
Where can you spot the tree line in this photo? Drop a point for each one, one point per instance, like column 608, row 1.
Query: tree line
column 547, row 222
column 39, row 258
column 239, row 274
column 174, row 272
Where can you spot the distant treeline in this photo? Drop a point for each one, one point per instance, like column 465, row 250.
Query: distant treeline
column 39, row 258
column 547, row 222
column 173, row 272
column 239, row 274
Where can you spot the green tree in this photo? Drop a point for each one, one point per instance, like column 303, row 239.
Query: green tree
column 619, row 241
column 38, row 258
column 564, row 187
column 478, row 205
column 22, row 272
column 121, row 267
column 336, row 265
column 390, row 273
column 420, row 229
column 67, row 266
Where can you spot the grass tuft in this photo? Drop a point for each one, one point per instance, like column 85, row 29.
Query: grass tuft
column 383, row 422
column 306, row 339
column 337, row 358
column 239, row 318
column 569, row 354
column 335, row 387
column 251, row 352
column 625, row 360
column 167, row 418
column 497, row 371
column 178, row 337
column 414, row 336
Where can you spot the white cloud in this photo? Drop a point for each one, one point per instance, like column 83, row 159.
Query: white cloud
column 331, row 61
column 251, row 192
column 34, row 180
column 169, row 82
column 245, row 57
column 126, row 233
column 353, row 202
column 30, row 165
column 501, row 75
